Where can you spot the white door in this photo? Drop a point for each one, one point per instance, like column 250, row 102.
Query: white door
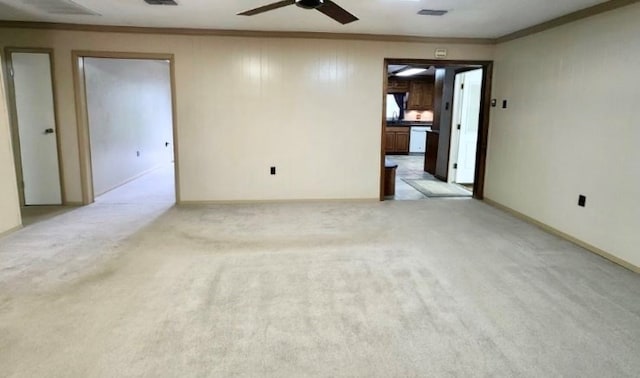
column 468, row 119
column 33, row 91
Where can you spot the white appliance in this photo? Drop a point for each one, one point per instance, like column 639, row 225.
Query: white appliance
column 418, row 139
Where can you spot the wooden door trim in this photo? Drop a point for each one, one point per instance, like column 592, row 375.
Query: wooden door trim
column 13, row 118
column 383, row 133
column 483, row 130
column 82, row 114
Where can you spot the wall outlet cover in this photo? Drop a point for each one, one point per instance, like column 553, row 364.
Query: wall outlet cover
column 582, row 200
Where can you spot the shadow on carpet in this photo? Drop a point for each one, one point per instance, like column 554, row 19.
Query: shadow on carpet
column 432, row 188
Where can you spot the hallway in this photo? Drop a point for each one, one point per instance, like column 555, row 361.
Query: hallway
column 155, row 187
column 57, row 243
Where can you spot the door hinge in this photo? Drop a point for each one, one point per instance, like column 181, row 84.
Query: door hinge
column 11, row 72
column 458, row 126
column 455, row 166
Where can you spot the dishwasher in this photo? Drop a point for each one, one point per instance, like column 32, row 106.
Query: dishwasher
column 418, row 138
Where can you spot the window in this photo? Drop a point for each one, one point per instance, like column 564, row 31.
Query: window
column 393, row 111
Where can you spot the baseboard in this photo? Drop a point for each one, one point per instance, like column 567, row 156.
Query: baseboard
column 10, row 231
column 623, row 263
column 128, row 180
column 275, row 201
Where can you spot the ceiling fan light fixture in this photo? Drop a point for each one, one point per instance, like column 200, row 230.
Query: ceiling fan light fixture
column 309, row 4
column 410, row 71
column 432, row 12
column 326, row 7
column 161, row 2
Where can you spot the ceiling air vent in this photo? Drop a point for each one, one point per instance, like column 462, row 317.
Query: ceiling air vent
column 161, row 2
column 432, row 12
column 61, row 7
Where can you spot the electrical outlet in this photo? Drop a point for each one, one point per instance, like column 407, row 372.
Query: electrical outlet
column 273, row 170
column 582, row 200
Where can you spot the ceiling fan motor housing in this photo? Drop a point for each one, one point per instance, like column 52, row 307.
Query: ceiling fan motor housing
column 309, row 4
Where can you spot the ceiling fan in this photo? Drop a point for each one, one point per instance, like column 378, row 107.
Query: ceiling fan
column 327, row 7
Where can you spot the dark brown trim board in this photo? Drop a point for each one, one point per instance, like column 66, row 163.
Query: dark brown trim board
column 241, row 33
column 566, row 19
column 483, row 130
column 383, row 143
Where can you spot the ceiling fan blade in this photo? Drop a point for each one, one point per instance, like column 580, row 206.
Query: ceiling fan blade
column 336, row 12
column 266, row 8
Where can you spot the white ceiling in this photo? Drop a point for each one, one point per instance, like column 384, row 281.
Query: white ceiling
column 466, row 18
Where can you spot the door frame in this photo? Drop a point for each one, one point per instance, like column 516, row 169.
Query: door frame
column 82, row 114
column 13, row 117
column 485, row 109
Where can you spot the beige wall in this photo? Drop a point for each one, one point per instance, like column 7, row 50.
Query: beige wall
column 9, row 201
column 572, row 128
column 310, row 107
column 130, row 120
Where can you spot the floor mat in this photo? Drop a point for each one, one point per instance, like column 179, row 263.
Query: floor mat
column 431, row 188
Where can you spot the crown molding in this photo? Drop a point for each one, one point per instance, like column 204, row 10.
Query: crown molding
column 239, row 33
column 566, row 19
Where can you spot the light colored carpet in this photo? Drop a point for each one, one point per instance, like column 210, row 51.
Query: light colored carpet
column 34, row 214
column 434, row 188
column 393, row 289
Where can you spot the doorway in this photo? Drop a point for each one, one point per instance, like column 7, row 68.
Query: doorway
column 34, row 127
column 422, row 97
column 127, row 132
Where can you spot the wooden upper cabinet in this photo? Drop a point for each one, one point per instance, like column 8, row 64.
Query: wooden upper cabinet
column 397, row 86
column 420, row 95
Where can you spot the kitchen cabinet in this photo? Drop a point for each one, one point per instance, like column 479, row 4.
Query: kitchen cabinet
column 420, row 95
column 402, row 141
column 395, row 85
column 397, row 140
column 431, row 154
column 389, row 142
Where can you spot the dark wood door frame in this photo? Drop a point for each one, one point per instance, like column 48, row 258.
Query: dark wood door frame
column 485, row 109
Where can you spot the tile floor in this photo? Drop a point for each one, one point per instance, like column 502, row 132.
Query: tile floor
column 410, row 167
